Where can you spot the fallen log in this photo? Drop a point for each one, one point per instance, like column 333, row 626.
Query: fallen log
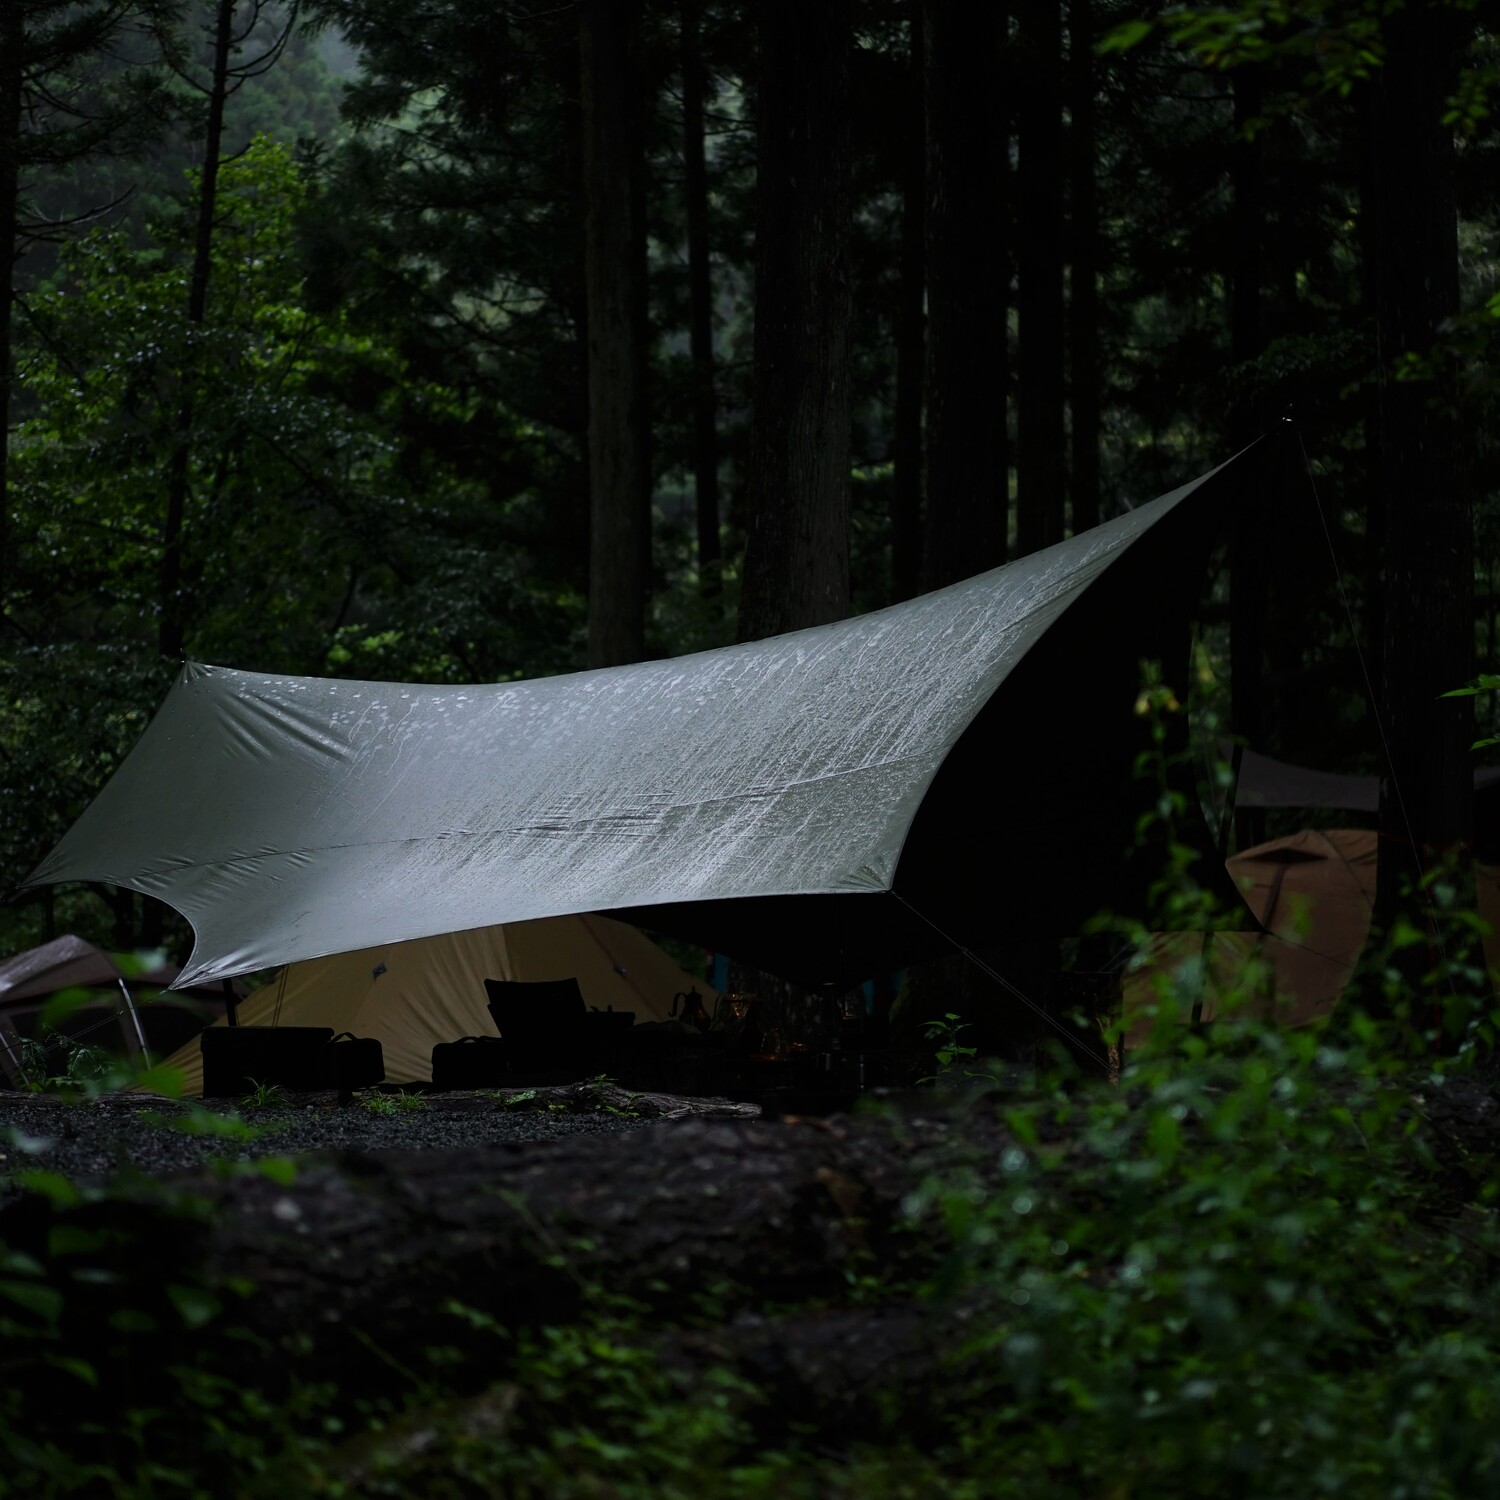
column 596, row 1095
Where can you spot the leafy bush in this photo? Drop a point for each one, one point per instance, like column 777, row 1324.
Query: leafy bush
column 1233, row 1274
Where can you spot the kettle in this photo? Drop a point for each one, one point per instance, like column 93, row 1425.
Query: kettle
column 694, row 1011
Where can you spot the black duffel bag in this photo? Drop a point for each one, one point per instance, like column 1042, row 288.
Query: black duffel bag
column 355, row 1062
column 237, row 1059
column 472, row 1062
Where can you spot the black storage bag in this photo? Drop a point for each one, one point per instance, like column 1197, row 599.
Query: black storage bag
column 355, row 1062
column 237, row 1058
column 472, row 1062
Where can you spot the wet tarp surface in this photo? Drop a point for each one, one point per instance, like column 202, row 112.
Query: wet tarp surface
column 762, row 798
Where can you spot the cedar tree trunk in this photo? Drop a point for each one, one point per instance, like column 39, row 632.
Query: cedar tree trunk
column 968, row 273
column 1426, row 799
column 615, row 275
column 1247, row 593
column 700, row 298
column 1083, row 323
column 911, row 338
column 12, row 43
column 173, row 627
column 1041, row 330
column 797, row 486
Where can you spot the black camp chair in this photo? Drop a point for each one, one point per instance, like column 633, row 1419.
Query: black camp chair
column 543, row 1023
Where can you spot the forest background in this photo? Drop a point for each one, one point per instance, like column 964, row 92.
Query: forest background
column 455, row 341
column 447, row 341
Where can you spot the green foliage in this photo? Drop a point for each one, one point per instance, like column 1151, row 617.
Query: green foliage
column 398, row 1103
column 951, row 1054
column 52, row 1062
column 282, row 472
column 1486, row 682
column 55, row 1061
column 1222, row 1274
column 586, row 1410
column 266, row 1096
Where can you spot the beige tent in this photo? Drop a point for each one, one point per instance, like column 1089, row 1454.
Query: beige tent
column 1314, row 892
column 415, row 994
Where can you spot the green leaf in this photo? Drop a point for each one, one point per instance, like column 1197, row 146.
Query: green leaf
column 132, row 1320
column 162, row 1080
column 61, row 1006
column 195, row 1305
column 69, row 1239
column 282, row 1170
column 1125, row 36
column 51, row 1185
column 1486, row 682
column 45, row 1301
column 77, row 1367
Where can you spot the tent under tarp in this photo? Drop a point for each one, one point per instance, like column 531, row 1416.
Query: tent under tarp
column 410, row 996
column 821, row 804
column 1313, row 892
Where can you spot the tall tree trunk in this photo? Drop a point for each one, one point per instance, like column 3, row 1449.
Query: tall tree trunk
column 12, row 45
column 575, row 293
column 797, row 489
column 1039, row 435
column 172, row 627
column 701, row 311
column 1248, row 578
column 968, row 271
column 1083, row 325
column 1375, row 486
column 1426, row 800
column 615, row 272
column 1247, row 226
column 911, row 334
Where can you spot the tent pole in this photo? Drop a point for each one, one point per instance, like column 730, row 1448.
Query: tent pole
column 135, row 1020
column 230, row 1018
column 15, row 1061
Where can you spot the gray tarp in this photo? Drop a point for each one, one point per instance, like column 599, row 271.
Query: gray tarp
column 291, row 817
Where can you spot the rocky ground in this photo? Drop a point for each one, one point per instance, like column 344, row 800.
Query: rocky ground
column 87, row 1139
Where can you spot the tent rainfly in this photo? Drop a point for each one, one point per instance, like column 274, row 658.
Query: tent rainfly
column 820, row 804
column 124, row 1010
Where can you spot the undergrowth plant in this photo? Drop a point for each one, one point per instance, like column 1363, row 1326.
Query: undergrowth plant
column 399, row 1103
column 953, row 1057
column 265, row 1095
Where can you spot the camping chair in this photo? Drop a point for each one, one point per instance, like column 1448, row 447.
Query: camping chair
column 543, row 1023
